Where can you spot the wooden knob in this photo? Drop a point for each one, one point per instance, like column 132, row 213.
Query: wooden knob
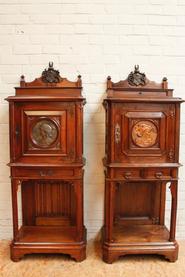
column 158, row 175
column 42, row 173
column 127, row 175
column 45, row 173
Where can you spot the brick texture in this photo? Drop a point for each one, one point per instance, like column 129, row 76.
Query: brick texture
column 95, row 39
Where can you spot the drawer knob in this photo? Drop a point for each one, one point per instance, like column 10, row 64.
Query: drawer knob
column 158, row 175
column 127, row 175
column 45, row 173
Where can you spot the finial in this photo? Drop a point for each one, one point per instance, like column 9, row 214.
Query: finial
column 22, row 78
column 22, row 81
column 136, row 68
column 109, row 83
column 165, row 83
column 79, row 81
column 50, row 65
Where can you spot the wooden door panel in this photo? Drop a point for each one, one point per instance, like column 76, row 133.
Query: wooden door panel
column 143, row 131
column 46, row 130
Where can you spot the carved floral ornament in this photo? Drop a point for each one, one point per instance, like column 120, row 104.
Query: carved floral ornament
column 51, row 75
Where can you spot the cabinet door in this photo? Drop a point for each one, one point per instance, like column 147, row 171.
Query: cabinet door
column 44, row 132
column 143, row 131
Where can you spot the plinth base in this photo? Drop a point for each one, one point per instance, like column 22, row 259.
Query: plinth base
column 53, row 241
column 143, row 239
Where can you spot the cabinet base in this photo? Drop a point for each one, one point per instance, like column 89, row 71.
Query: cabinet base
column 112, row 251
column 76, row 249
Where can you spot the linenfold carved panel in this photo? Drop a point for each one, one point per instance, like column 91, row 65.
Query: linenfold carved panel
column 46, row 206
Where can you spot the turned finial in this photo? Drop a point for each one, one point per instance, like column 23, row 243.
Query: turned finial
column 165, row 83
column 109, row 83
column 79, row 81
column 22, row 81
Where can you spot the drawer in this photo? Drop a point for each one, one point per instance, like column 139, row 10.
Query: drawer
column 127, row 174
column 158, row 173
column 145, row 173
column 42, row 173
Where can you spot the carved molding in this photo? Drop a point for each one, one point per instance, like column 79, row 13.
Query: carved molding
column 171, row 154
column 172, row 113
column 117, row 133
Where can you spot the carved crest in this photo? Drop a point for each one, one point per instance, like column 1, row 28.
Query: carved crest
column 51, row 75
column 136, row 78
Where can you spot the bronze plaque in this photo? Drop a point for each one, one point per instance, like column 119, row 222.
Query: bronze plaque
column 44, row 133
column 144, row 133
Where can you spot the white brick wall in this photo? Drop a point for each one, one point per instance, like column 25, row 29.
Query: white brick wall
column 94, row 38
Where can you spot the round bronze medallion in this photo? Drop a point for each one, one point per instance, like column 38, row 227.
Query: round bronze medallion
column 44, row 133
column 144, row 133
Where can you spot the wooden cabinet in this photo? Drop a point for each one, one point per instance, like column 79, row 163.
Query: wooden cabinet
column 46, row 148
column 142, row 156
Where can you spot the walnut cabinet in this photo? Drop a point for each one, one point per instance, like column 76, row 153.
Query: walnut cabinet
column 46, row 162
column 142, row 157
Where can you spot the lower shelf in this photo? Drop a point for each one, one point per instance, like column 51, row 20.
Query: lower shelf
column 140, row 233
column 47, row 234
column 139, row 239
column 49, row 239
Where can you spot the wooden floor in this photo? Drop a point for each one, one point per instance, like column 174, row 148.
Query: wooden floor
column 63, row 266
